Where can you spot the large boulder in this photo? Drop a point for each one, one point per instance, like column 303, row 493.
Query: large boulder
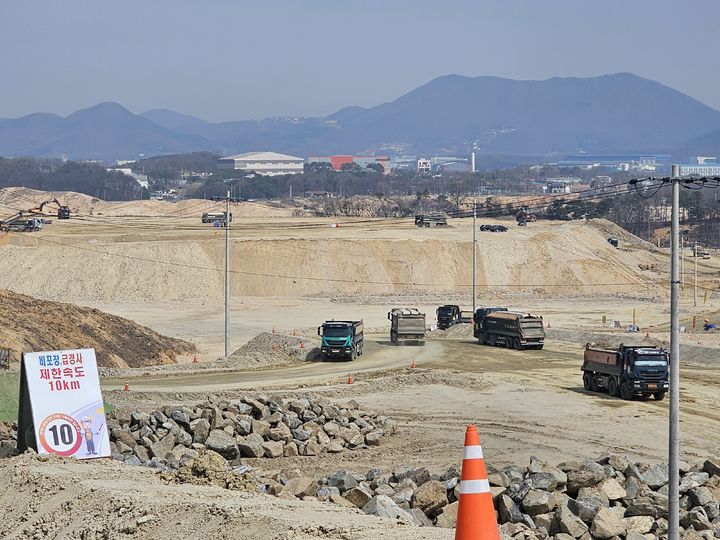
column 537, row 502
column 656, row 476
column 384, row 507
column 251, row 446
column 569, row 523
column 343, row 480
column 301, row 486
column 200, row 429
column 607, row 524
column 612, row 489
column 160, row 448
column 638, row 524
column 222, row 443
column 448, row 516
column 273, row 449
column 359, row 495
column 587, row 473
column 508, row 510
column 430, row 497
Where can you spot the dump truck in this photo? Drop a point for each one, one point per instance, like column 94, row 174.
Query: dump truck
column 447, row 316
column 212, row 217
column 431, row 220
column 631, row 370
column 341, row 339
column 514, row 330
column 407, row 325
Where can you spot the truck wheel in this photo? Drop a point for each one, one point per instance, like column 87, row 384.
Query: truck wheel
column 516, row 343
column 492, row 340
column 593, row 384
column 613, row 387
column 508, row 343
column 625, row 392
column 587, row 381
column 659, row 396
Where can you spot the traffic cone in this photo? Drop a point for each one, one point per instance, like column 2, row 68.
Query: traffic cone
column 476, row 515
column 126, row 388
column 302, row 344
column 413, row 365
column 350, row 379
column 549, row 325
column 273, row 329
column 195, row 360
column 647, row 335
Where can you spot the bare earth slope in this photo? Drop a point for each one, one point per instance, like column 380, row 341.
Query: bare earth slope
column 29, row 324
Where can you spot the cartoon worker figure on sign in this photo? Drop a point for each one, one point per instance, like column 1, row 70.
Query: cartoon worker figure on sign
column 86, row 423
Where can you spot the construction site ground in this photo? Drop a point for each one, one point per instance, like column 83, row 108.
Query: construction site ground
column 291, row 274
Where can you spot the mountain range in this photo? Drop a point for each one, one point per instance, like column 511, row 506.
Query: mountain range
column 449, row 115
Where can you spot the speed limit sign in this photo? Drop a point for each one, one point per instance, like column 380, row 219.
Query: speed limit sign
column 61, row 404
column 60, row 434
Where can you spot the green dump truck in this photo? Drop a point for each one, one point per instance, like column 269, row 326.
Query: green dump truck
column 341, row 339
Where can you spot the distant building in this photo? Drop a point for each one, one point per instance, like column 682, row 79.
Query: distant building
column 693, row 169
column 623, row 162
column 265, row 163
column 363, row 161
column 424, row 166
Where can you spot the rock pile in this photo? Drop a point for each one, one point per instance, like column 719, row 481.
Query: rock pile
column 245, row 428
column 605, row 499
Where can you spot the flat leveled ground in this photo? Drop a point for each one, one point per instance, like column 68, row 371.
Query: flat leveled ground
column 293, row 273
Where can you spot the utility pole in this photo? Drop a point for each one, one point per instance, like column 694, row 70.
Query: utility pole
column 695, row 254
column 682, row 261
column 674, row 422
column 474, row 252
column 227, row 221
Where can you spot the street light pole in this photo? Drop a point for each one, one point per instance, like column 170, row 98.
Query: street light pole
column 674, row 440
column 695, row 254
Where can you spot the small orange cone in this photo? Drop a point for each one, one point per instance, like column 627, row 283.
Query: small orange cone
column 195, row 360
column 548, row 325
column 413, row 365
column 302, row 344
column 126, row 388
column 647, row 334
column 476, row 514
column 273, row 329
column 350, row 379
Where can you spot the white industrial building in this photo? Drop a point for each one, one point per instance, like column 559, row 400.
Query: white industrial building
column 266, row 163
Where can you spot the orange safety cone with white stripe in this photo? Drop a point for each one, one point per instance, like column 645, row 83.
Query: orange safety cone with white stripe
column 476, row 514
column 126, row 388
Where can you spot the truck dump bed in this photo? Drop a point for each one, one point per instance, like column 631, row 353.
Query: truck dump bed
column 407, row 324
column 601, row 361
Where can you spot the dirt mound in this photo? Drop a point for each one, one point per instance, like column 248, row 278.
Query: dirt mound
column 29, row 324
column 626, row 239
column 268, row 349
column 21, row 198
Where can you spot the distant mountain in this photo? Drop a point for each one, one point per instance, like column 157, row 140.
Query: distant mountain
column 705, row 145
column 448, row 115
column 105, row 131
column 175, row 121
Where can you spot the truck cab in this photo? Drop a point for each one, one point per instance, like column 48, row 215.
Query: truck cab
column 341, row 339
column 447, row 316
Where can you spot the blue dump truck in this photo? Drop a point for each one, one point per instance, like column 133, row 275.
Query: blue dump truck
column 632, row 370
column 341, row 339
column 496, row 326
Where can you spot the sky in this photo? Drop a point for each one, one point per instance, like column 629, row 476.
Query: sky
column 237, row 59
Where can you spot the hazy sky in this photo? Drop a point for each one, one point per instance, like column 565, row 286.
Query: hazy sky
column 236, row 59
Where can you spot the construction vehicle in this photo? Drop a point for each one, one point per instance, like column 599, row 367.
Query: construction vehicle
column 430, row 220
column 700, row 252
column 447, row 316
column 613, row 241
column 466, row 317
column 216, row 217
column 63, row 211
column 512, row 329
column 341, row 339
column 407, row 325
column 524, row 214
column 631, row 370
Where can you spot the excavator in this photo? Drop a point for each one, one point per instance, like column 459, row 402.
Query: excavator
column 26, row 220
column 63, row 212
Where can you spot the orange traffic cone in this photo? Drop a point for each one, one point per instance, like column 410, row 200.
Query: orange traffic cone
column 413, row 365
column 548, row 325
column 350, row 379
column 195, row 360
column 476, row 514
column 302, row 344
column 647, row 335
column 126, row 388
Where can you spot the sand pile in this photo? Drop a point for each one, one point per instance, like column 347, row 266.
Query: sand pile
column 22, row 198
column 29, row 324
column 268, row 349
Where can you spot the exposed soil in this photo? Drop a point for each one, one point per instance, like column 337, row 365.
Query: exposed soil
column 29, row 324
